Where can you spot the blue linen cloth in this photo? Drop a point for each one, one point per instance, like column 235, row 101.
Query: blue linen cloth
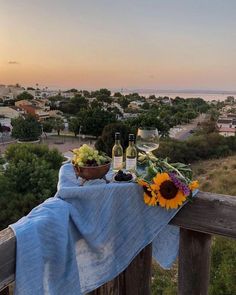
column 85, row 236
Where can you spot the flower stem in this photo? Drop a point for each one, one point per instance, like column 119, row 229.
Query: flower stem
column 176, row 170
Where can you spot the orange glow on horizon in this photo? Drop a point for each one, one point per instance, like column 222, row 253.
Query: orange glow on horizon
column 85, row 46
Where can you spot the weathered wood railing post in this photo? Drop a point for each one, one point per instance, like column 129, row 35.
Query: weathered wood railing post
column 135, row 280
column 7, row 259
column 5, row 291
column 194, row 262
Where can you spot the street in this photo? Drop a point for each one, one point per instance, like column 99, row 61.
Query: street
column 182, row 132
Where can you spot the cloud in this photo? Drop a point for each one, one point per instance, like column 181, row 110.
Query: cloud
column 13, row 62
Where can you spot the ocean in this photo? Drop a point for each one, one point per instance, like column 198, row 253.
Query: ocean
column 208, row 96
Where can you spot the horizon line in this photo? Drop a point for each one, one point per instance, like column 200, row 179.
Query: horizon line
column 134, row 89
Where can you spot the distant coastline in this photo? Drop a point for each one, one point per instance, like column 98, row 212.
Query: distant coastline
column 208, row 95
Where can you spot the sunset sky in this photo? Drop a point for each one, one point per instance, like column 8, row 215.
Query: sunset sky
column 144, row 44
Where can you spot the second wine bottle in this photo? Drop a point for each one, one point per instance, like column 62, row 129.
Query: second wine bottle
column 131, row 155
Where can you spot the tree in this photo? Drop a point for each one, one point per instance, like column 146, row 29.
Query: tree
column 214, row 114
column 25, row 95
column 55, row 98
column 103, row 95
column 94, row 120
column 86, row 93
column 96, row 104
column 117, row 94
column 47, row 125
column 146, row 106
column 26, row 129
column 58, row 125
column 123, row 102
column 74, row 105
column 178, row 118
column 190, row 115
column 206, row 127
column 106, row 141
column 79, row 102
column 133, row 96
column 74, row 125
column 153, row 97
column 149, row 119
column 73, row 90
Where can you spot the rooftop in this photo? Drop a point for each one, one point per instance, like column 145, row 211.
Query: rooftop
column 227, row 129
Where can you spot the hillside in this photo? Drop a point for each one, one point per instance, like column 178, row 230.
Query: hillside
column 217, row 175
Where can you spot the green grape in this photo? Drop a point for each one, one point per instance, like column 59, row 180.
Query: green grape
column 85, row 153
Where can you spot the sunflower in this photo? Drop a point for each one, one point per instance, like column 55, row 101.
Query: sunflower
column 168, row 195
column 193, row 185
column 149, row 196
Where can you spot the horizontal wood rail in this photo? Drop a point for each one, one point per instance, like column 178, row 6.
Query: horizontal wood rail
column 209, row 214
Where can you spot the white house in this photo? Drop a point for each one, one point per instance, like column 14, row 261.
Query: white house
column 224, row 122
column 9, row 112
column 226, row 131
column 135, row 105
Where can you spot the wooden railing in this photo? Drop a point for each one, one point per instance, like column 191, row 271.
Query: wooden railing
column 209, row 214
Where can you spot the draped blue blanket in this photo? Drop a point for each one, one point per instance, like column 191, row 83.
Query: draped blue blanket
column 85, row 236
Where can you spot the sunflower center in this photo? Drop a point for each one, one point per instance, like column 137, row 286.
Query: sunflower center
column 147, row 191
column 168, row 190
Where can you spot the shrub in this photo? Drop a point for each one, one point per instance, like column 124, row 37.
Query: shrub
column 197, row 147
column 26, row 129
column 30, row 178
column 223, row 261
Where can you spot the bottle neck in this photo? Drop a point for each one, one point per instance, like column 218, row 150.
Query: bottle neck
column 117, row 141
column 131, row 143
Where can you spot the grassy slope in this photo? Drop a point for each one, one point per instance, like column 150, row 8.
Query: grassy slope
column 218, row 176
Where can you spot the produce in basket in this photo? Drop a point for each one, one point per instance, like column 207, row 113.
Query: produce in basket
column 86, row 156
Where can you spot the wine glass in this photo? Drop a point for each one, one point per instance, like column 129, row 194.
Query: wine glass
column 147, row 139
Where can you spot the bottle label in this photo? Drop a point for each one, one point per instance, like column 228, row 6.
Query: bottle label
column 131, row 163
column 118, row 163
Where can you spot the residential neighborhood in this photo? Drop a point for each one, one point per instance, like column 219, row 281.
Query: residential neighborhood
column 46, row 105
column 226, row 122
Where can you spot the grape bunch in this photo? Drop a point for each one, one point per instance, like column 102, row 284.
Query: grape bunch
column 87, row 156
column 122, row 176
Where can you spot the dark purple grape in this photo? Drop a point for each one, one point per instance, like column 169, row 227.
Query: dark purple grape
column 128, row 177
column 121, row 176
column 91, row 163
column 118, row 177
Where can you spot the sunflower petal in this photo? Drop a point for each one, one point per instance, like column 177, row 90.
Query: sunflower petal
column 193, row 185
column 146, row 198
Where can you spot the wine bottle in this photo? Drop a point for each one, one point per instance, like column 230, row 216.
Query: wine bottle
column 131, row 155
column 117, row 154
